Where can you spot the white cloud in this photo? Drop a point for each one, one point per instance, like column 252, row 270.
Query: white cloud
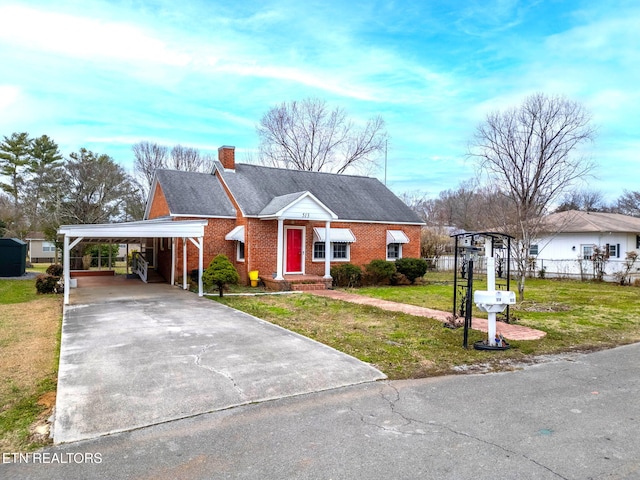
column 83, row 37
column 8, row 96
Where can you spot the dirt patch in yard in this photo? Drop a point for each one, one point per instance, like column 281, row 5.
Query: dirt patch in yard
column 529, row 306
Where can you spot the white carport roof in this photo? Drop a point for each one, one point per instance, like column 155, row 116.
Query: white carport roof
column 132, row 232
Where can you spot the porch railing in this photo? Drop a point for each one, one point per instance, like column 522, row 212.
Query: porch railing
column 139, row 265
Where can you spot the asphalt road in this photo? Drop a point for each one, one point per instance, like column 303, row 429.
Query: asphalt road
column 572, row 418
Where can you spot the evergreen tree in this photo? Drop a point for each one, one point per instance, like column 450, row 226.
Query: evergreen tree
column 14, row 158
column 45, row 172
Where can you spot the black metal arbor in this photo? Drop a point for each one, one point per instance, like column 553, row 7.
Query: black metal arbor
column 468, row 247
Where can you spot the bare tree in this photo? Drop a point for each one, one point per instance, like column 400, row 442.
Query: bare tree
column 419, row 202
column 186, row 159
column 585, row 200
column 527, row 152
column 307, row 135
column 147, row 158
column 435, row 242
column 629, row 203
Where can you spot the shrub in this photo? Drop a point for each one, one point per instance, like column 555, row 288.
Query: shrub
column 411, row 268
column 400, row 279
column 346, row 275
column 220, row 272
column 55, row 270
column 47, row 284
column 380, row 271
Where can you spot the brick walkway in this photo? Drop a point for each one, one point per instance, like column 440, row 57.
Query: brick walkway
column 509, row 331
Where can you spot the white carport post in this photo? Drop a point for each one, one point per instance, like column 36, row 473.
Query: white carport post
column 184, row 263
column 199, row 243
column 280, row 252
column 67, row 264
column 327, row 249
column 173, row 261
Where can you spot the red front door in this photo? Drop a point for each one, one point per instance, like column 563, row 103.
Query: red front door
column 294, row 250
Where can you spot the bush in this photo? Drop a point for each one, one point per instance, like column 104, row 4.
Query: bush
column 220, row 272
column 47, row 284
column 380, row 272
column 400, row 279
column 55, row 270
column 411, row 268
column 346, row 275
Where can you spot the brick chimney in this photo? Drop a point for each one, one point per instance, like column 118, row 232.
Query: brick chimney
column 227, row 157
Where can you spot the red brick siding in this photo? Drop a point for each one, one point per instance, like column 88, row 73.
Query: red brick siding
column 214, row 244
column 370, row 244
column 159, row 207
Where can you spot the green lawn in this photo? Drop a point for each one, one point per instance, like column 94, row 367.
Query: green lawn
column 29, row 343
column 576, row 316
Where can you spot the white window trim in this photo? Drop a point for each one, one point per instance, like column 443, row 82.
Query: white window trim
column 304, row 253
column 333, row 259
column 238, row 258
column 585, row 246
column 48, row 247
column 399, row 252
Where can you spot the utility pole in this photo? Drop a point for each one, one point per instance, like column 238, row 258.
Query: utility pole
column 386, row 144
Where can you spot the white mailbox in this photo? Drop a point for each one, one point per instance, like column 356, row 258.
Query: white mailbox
column 493, row 301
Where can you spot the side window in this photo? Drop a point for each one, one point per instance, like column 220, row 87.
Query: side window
column 240, row 251
column 394, row 251
column 533, row 250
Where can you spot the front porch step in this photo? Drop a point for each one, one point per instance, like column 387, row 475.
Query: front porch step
column 304, row 283
column 307, row 287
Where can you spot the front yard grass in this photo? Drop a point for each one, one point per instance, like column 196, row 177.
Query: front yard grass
column 577, row 316
column 29, row 341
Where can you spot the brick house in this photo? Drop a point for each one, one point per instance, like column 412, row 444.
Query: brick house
column 289, row 225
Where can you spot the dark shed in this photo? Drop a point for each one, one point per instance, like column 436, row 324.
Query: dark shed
column 13, row 257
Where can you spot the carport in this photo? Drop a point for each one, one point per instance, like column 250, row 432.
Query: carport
column 132, row 232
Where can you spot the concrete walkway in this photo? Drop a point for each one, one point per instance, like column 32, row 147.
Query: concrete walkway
column 135, row 354
column 509, row 331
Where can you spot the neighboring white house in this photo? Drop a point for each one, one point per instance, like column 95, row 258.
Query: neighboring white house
column 573, row 237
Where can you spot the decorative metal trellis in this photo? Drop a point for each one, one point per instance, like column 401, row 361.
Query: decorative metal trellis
column 469, row 249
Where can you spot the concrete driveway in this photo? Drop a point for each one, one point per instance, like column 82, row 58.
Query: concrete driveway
column 136, row 354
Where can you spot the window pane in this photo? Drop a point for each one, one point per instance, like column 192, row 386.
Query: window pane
column 240, row 250
column 533, row 250
column 340, row 250
column 393, row 250
column 318, row 250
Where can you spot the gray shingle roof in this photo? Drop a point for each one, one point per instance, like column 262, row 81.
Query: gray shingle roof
column 348, row 196
column 278, row 203
column 192, row 193
column 575, row 221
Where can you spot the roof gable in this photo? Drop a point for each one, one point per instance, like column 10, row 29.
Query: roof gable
column 349, row 197
column 194, row 194
column 302, row 205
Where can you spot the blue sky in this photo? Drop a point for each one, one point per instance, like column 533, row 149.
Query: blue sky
column 105, row 75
